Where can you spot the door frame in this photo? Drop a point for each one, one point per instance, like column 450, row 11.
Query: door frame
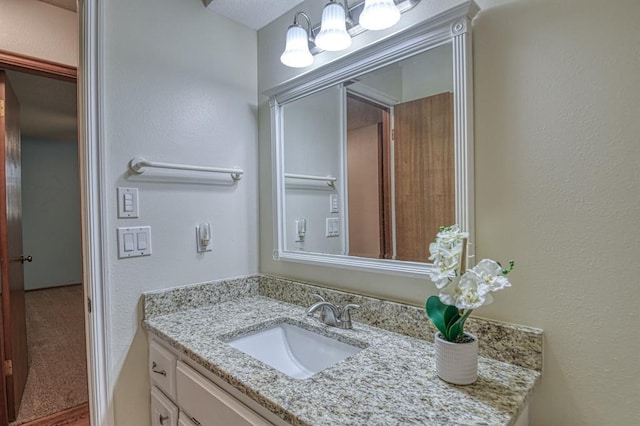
column 91, row 152
column 41, row 67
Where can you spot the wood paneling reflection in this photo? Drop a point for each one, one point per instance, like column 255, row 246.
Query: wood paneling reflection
column 424, row 173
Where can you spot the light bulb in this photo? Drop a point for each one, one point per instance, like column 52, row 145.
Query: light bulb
column 379, row 14
column 296, row 53
column 333, row 35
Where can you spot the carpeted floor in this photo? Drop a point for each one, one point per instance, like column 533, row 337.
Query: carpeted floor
column 57, row 377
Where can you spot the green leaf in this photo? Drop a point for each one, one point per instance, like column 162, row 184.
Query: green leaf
column 441, row 315
column 457, row 328
column 452, row 315
column 435, row 311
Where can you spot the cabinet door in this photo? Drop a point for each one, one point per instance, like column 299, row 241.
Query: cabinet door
column 163, row 411
column 208, row 404
column 162, row 369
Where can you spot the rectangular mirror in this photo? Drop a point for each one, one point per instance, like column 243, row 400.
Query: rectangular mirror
column 375, row 153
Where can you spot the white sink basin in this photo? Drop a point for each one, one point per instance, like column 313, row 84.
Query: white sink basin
column 295, row 351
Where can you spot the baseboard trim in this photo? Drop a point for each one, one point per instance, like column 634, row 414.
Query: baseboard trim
column 75, row 416
column 52, row 287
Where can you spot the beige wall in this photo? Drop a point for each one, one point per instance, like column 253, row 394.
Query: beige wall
column 37, row 29
column 557, row 87
column 557, row 97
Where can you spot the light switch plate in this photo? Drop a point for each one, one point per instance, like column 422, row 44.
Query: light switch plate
column 127, row 203
column 134, row 241
column 332, row 227
column 333, row 203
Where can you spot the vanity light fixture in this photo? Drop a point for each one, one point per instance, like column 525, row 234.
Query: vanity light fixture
column 296, row 53
column 338, row 25
column 379, row 14
column 333, row 35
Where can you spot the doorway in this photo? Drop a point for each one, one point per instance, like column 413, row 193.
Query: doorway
column 369, row 178
column 53, row 292
column 401, row 174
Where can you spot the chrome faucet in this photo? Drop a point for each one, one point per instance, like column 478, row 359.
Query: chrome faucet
column 331, row 314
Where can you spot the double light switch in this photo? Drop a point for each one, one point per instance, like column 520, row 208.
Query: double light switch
column 134, row 241
column 332, row 227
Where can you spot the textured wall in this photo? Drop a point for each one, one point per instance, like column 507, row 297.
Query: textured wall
column 557, row 177
column 180, row 86
column 556, row 101
column 51, row 213
column 34, row 28
column 312, row 140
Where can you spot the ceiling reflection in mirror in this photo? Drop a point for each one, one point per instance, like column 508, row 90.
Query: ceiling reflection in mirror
column 369, row 166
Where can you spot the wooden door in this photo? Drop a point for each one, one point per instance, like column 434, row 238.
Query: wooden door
column 4, row 415
column 13, row 307
column 369, row 169
column 424, row 173
column 363, row 154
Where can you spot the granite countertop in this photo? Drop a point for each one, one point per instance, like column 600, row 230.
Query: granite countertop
column 391, row 381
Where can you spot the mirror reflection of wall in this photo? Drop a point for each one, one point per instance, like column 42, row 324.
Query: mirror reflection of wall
column 394, row 129
column 313, row 147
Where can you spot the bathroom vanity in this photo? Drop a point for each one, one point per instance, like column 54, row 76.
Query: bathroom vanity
column 197, row 377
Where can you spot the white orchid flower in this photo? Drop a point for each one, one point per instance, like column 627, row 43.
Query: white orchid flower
column 442, row 279
column 467, row 292
column 441, row 275
column 451, row 236
column 446, row 253
column 466, row 295
column 491, row 276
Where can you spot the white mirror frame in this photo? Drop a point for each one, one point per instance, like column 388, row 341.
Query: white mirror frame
column 454, row 26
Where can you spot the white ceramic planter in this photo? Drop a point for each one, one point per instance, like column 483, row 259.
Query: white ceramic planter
column 457, row 363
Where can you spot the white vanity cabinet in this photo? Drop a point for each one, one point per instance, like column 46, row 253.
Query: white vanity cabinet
column 162, row 369
column 183, row 396
column 163, row 411
column 208, row 404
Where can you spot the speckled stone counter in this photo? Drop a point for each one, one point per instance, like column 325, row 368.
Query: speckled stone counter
column 391, row 381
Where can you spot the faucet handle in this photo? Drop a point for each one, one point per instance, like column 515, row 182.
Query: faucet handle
column 345, row 310
column 345, row 314
column 324, row 311
column 320, row 298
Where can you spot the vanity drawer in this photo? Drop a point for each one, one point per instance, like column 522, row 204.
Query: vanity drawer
column 163, row 411
column 162, row 369
column 208, row 404
column 184, row 420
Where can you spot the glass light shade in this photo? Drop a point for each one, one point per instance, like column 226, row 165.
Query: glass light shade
column 379, row 14
column 333, row 35
column 296, row 52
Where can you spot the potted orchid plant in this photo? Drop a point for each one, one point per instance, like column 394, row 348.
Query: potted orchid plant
column 461, row 291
